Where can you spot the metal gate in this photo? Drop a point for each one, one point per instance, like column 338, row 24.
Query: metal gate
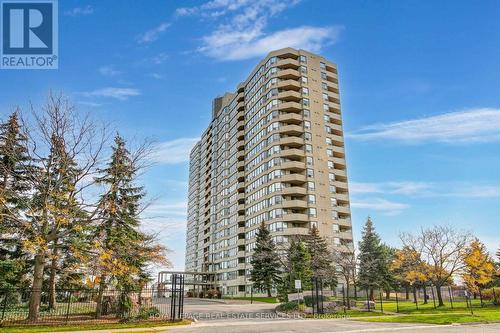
column 177, row 297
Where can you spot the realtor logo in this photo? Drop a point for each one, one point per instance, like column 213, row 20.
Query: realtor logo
column 29, row 34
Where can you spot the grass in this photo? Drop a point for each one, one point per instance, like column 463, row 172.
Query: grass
column 347, row 315
column 39, row 329
column 426, row 313
column 256, row 299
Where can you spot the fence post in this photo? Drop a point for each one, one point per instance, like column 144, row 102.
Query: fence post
column 69, row 304
column 433, row 297
column 397, row 302
column 381, row 302
column 450, row 293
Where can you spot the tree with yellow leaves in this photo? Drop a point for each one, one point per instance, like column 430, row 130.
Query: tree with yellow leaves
column 409, row 269
column 479, row 267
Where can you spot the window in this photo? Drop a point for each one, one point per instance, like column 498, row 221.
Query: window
column 312, row 212
column 323, row 75
column 325, row 97
column 330, row 165
column 310, row 173
column 310, row 186
column 307, row 136
column 307, row 114
column 325, row 86
column 309, row 148
column 335, row 215
column 334, row 202
column 303, row 59
column 304, row 79
column 309, row 160
column 329, row 141
column 326, row 108
column 305, row 101
column 311, row 198
column 336, row 242
column 329, row 152
column 305, row 91
column 322, row 65
column 307, row 124
column 303, row 69
column 331, row 177
column 333, row 189
column 335, row 228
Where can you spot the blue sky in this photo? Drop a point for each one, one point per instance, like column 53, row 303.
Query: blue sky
column 420, row 90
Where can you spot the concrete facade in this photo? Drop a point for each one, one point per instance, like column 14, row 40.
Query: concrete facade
column 273, row 152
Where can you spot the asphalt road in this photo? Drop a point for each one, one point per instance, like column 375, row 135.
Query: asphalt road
column 325, row 326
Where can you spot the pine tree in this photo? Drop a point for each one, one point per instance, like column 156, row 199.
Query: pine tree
column 372, row 265
column 265, row 262
column 299, row 267
column 122, row 247
column 321, row 263
column 14, row 188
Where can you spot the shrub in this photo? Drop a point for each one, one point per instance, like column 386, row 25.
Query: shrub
column 148, row 312
column 308, row 300
column 288, row 306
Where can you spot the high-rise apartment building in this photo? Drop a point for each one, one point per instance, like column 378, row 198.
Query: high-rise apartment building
column 274, row 153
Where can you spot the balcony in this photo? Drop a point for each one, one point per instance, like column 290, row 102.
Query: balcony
column 293, row 166
column 291, row 232
column 340, row 173
column 302, row 204
column 342, row 197
column 291, row 118
column 288, row 63
column 346, row 222
column 295, row 217
column 288, row 74
column 337, row 160
column 294, row 178
column 240, row 125
column 344, row 209
column 292, row 141
column 290, row 107
column 294, row 190
column 289, row 85
column 293, row 152
column 341, row 185
column 290, row 96
column 292, row 130
column 240, row 166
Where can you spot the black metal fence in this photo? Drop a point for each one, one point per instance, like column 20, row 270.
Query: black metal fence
column 77, row 306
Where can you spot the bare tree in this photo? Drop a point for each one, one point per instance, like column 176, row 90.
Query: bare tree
column 64, row 151
column 441, row 247
column 346, row 261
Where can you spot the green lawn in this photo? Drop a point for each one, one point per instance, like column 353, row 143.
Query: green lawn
column 347, row 315
column 256, row 299
column 39, row 329
column 482, row 315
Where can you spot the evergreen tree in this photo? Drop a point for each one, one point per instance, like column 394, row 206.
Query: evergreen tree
column 321, row 263
column 14, row 188
column 265, row 262
column 299, row 267
column 372, row 264
column 123, row 249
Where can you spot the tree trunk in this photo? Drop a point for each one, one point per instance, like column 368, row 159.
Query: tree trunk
column 425, row 295
column 269, row 292
column 407, row 293
column 414, row 295
column 98, row 307
column 36, row 290
column 439, row 296
column 372, row 295
column 355, row 292
column 52, row 278
column 348, row 298
column 387, row 294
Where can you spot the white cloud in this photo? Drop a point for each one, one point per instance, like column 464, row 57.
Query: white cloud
column 153, row 34
column 109, row 71
column 469, row 126
column 475, row 191
column 87, row 10
column 91, row 104
column 156, row 76
column 402, row 187
column 379, row 204
column 113, row 92
column 228, row 45
column 174, row 151
column 240, row 33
